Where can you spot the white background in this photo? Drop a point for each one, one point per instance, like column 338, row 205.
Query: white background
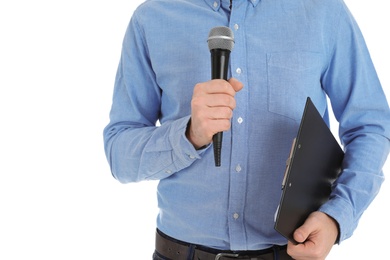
column 57, row 198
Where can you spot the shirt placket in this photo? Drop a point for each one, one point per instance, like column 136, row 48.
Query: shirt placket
column 238, row 167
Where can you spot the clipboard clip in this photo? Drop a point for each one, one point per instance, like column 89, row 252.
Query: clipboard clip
column 288, row 161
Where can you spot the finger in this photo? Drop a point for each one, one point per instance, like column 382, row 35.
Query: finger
column 215, row 86
column 237, row 85
column 218, row 113
column 221, row 100
column 220, row 125
column 212, row 119
column 209, row 126
column 302, row 233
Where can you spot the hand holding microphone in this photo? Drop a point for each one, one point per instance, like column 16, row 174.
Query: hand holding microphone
column 213, row 101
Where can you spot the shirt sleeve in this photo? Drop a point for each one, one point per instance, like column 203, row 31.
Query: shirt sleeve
column 360, row 106
column 135, row 146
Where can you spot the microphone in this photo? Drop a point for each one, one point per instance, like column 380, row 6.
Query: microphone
column 220, row 42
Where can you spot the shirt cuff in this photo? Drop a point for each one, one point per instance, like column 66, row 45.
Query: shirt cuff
column 183, row 149
column 342, row 212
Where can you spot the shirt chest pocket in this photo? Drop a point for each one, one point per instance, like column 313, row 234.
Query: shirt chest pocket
column 292, row 77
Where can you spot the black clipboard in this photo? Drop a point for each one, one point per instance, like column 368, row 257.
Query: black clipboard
column 313, row 165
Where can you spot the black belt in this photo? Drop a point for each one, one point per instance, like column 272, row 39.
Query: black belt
column 177, row 250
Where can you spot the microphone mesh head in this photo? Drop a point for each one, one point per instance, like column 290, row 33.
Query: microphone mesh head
column 221, row 38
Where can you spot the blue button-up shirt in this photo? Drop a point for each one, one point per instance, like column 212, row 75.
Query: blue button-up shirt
column 285, row 51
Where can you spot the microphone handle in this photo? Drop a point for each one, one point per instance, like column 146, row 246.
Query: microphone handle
column 219, row 70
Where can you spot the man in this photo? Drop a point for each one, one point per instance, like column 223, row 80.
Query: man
column 285, row 51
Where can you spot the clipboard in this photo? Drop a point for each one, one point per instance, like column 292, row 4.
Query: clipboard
column 313, row 165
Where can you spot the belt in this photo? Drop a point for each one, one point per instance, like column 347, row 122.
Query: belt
column 177, row 250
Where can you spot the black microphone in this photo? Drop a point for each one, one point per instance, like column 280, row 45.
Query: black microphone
column 221, row 42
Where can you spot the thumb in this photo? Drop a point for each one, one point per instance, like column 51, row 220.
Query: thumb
column 237, row 85
column 302, row 233
column 299, row 236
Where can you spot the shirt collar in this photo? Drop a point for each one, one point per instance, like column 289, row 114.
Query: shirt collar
column 216, row 4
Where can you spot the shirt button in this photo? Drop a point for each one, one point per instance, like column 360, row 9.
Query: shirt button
column 238, row 168
column 215, row 4
column 236, row 27
column 240, row 120
column 236, row 215
column 168, row 171
column 191, row 156
column 238, row 71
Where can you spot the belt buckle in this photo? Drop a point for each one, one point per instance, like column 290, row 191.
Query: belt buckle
column 220, row 255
